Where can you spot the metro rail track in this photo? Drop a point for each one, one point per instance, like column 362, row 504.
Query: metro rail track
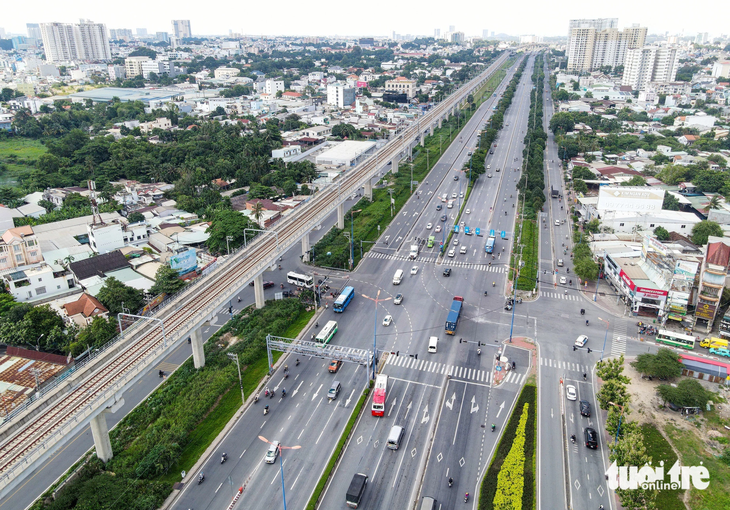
column 20, row 449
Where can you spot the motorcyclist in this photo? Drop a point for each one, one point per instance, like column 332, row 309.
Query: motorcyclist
column 493, row 427
column 283, row 392
column 451, row 481
column 479, row 352
column 572, row 437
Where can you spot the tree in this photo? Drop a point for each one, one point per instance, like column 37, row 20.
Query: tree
column 636, row 180
column 593, row 226
column 714, row 203
column 47, row 205
column 664, row 364
column 167, row 281
column 96, row 334
column 562, row 122
column 228, row 223
column 586, row 268
column 75, row 201
column 662, row 234
column 631, row 451
column 687, row 393
column 580, row 186
column 260, row 191
column 670, row 203
column 614, row 387
column 114, row 294
column 135, row 217
column 703, row 230
column 581, row 172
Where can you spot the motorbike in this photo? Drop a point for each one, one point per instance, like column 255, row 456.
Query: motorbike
column 224, row 458
column 266, row 410
column 286, row 375
column 572, row 438
column 466, row 497
column 505, row 213
column 256, row 399
column 479, row 352
column 485, row 292
column 162, row 374
column 451, row 482
column 586, row 322
column 296, row 363
column 513, row 365
column 239, row 299
column 493, row 427
column 279, row 267
column 271, row 395
column 283, row 393
column 282, row 285
column 201, row 478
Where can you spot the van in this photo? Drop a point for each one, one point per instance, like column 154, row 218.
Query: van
column 433, row 344
column 714, row 343
column 334, row 391
column 359, row 483
column 395, row 437
column 428, row 503
column 398, row 277
column 272, row 452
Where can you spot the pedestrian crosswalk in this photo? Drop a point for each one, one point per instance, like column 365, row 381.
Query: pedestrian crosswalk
column 560, row 295
column 563, row 365
column 446, row 263
column 618, row 342
column 425, row 365
column 514, row 377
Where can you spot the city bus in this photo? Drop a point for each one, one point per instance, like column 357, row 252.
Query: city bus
column 381, row 385
column 300, row 280
column 327, row 332
column 676, row 339
column 344, row 299
column 431, row 240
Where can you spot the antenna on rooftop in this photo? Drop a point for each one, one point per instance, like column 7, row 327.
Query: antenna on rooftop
column 96, row 216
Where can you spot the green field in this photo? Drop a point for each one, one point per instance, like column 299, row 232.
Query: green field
column 17, row 159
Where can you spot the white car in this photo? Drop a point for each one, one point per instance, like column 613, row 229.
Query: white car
column 462, row 224
column 387, row 320
column 468, row 211
column 461, row 194
column 463, row 249
column 398, row 299
column 570, row 392
column 453, row 195
column 557, row 222
column 489, row 175
column 581, row 340
column 456, row 242
column 562, row 280
column 437, row 229
column 428, row 226
column 414, row 270
column 452, row 252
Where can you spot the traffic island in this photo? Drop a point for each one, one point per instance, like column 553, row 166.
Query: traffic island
column 503, row 365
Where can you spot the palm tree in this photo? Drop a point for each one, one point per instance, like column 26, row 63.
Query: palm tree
column 714, row 203
column 258, row 211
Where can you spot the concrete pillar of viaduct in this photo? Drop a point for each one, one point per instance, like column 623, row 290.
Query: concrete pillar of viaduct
column 258, row 290
column 369, row 191
column 100, row 431
column 305, row 247
column 341, row 216
column 394, row 165
column 196, row 342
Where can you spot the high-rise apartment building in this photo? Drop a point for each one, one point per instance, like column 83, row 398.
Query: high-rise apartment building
column 340, row 95
column 485, row 34
column 592, row 48
column 650, row 64
column 437, row 33
column 452, row 28
column 181, row 28
column 598, row 24
column 34, row 31
column 457, row 37
column 162, row 36
column 82, row 41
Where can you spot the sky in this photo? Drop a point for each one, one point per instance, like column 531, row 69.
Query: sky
column 328, row 17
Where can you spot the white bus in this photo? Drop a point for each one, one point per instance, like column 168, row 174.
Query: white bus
column 300, row 280
column 327, row 332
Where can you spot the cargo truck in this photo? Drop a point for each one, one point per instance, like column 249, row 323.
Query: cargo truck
column 453, row 318
column 489, row 247
column 714, row 343
column 414, row 251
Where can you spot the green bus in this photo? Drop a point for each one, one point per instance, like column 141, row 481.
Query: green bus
column 675, row 339
column 327, row 332
column 431, row 240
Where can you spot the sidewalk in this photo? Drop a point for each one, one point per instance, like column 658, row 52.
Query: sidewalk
column 606, row 298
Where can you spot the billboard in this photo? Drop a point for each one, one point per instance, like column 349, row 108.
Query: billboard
column 705, row 311
column 686, row 270
column 361, row 84
column 184, row 261
column 651, row 293
column 630, row 198
column 627, row 281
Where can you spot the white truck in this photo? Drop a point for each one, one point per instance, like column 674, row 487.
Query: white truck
column 414, row 252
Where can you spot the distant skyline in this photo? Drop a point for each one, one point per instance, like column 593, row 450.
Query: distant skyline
column 329, row 18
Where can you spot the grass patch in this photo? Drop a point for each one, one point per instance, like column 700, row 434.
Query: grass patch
column 319, row 488
column 489, row 483
column 18, row 157
column 659, row 449
column 692, row 451
column 529, row 248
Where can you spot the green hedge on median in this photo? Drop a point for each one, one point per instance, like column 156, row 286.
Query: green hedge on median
column 489, row 486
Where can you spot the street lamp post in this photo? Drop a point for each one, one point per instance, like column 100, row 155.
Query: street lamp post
column 376, row 300
column 605, row 338
column 281, row 463
column 234, row 357
column 598, row 279
column 618, row 429
column 352, row 237
column 228, row 248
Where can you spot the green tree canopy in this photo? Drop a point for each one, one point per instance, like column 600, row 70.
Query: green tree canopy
column 688, row 393
column 703, row 230
column 662, row 233
column 636, row 180
column 664, row 364
column 113, row 294
column 167, row 281
column 228, row 224
column 580, row 186
column 135, row 217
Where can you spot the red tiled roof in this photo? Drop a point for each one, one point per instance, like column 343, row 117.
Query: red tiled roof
column 718, row 254
column 86, row 305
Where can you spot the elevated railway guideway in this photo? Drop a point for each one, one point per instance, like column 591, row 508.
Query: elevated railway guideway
column 32, row 437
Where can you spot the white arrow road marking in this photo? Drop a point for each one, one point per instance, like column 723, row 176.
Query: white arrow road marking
column 408, row 409
column 474, row 409
column 347, row 402
column 317, row 392
column 426, row 417
column 500, row 409
column 392, row 405
column 450, row 402
column 297, row 390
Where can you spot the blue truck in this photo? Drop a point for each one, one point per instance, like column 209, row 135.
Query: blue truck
column 489, row 247
column 453, row 318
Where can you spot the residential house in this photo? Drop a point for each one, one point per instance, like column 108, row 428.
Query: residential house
column 19, row 247
column 82, row 311
column 39, row 282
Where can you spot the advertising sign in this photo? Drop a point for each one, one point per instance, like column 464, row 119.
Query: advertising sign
column 361, row 84
column 651, row 293
column 686, row 270
column 154, row 303
column 627, row 281
column 184, row 261
column 705, row 311
column 631, row 199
